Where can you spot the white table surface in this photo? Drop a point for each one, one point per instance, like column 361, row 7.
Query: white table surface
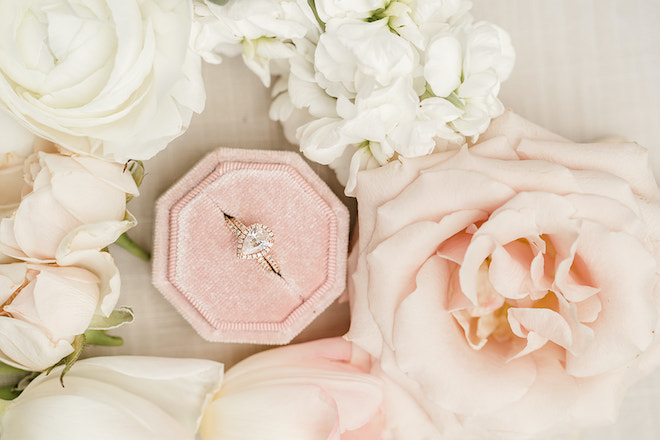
column 585, row 69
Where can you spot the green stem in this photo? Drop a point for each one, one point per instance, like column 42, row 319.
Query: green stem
column 127, row 243
column 312, row 5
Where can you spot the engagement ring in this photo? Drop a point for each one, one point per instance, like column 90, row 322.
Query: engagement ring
column 254, row 242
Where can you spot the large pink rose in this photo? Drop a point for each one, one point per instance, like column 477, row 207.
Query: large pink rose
column 508, row 288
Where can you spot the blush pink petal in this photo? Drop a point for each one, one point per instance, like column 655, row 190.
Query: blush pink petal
column 393, row 265
column 87, row 198
column 583, row 335
column 60, row 301
column 25, row 346
column 321, row 365
column 458, row 193
column 277, row 412
column 529, row 176
column 624, row 328
column 543, row 322
column 628, row 160
column 514, row 128
column 409, row 411
column 589, row 309
column 364, row 331
column 609, row 212
column 331, row 349
column 509, row 270
column 547, row 403
column 598, row 183
column 495, row 148
column 379, row 185
column 599, row 397
column 41, row 223
column 432, row 351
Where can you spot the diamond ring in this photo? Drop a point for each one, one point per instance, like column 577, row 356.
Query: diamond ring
column 254, row 242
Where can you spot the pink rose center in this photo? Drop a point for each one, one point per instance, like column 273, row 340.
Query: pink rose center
column 529, row 294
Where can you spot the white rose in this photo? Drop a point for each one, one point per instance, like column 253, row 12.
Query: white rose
column 75, row 203
column 109, row 78
column 45, row 307
column 127, row 397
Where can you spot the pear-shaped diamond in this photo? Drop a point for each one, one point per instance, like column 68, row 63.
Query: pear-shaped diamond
column 254, row 241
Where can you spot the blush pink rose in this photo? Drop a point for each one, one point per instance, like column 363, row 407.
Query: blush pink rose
column 509, row 288
column 310, row 391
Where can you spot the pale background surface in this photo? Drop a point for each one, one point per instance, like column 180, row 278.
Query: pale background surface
column 585, row 69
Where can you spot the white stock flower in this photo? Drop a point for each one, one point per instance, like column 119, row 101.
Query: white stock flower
column 260, row 30
column 106, row 78
column 352, row 54
column 361, row 9
column 44, row 307
column 75, row 203
column 107, row 398
column 382, row 79
column 487, row 61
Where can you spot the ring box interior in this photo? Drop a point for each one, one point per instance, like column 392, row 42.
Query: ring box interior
column 230, row 299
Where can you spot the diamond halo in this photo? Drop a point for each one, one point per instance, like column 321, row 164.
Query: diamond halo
column 254, row 242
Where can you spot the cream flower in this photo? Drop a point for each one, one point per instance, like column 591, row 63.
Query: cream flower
column 307, row 391
column 510, row 288
column 74, row 203
column 127, row 397
column 45, row 307
column 111, row 79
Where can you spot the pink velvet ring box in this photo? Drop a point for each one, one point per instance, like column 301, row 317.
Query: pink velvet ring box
column 230, row 299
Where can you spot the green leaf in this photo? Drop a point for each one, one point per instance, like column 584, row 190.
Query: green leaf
column 100, row 337
column 78, row 345
column 219, row 2
column 127, row 243
column 8, row 392
column 117, row 318
column 8, row 369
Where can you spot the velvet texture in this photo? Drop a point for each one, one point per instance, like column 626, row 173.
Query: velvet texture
column 230, row 299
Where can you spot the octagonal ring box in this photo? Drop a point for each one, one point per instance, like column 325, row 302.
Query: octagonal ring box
column 230, row 299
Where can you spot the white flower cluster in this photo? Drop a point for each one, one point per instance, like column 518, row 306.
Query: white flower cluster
column 57, row 213
column 361, row 82
column 84, row 86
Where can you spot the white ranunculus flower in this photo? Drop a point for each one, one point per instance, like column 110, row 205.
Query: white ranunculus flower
column 45, row 307
column 114, row 79
column 17, row 141
column 75, row 203
column 118, row 397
